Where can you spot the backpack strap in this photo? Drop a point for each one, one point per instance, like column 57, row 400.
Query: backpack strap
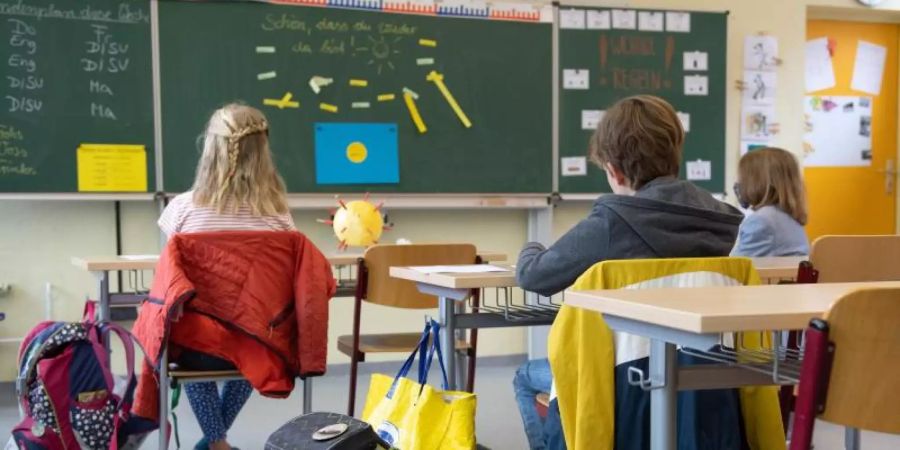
column 90, row 311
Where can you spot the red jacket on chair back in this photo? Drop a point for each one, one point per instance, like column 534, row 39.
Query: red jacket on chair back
column 256, row 298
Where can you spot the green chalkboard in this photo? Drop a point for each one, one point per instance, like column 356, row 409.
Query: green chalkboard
column 498, row 71
column 625, row 62
column 74, row 72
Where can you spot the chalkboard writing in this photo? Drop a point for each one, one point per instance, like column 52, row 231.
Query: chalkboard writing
column 75, row 72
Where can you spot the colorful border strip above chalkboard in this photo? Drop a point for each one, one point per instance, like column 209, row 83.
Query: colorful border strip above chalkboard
column 517, row 12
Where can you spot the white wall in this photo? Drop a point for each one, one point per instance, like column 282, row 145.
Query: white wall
column 38, row 238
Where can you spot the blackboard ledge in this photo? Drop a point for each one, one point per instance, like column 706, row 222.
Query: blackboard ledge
column 591, row 197
column 78, row 196
column 427, row 201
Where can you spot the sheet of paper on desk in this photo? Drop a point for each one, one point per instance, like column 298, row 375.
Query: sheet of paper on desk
column 139, row 257
column 472, row 268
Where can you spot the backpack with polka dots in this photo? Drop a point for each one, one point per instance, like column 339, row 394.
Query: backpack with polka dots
column 68, row 396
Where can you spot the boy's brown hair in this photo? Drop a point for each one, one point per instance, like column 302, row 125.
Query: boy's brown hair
column 771, row 176
column 641, row 137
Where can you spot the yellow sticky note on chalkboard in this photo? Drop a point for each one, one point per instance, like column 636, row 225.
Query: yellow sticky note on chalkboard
column 112, row 168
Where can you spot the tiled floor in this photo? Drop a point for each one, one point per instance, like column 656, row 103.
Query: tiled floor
column 498, row 424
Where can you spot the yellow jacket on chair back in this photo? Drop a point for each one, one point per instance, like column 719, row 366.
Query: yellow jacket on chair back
column 584, row 353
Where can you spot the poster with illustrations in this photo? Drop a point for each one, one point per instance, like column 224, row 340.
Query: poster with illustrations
column 838, row 131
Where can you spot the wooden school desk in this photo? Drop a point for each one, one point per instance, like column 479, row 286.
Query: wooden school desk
column 452, row 289
column 696, row 318
column 101, row 266
column 773, row 269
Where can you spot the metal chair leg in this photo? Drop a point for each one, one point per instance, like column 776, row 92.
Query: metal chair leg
column 851, row 438
column 307, row 395
column 164, row 401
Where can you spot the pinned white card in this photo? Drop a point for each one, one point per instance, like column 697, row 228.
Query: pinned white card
column 678, row 22
column 819, row 72
column 868, row 68
column 573, row 166
column 571, row 19
column 590, row 119
column 624, row 19
column 699, row 170
column 685, row 119
column 598, row 20
column 696, row 85
column 576, row 79
column 696, row 61
column 651, row 21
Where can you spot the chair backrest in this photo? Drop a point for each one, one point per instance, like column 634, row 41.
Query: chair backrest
column 844, row 259
column 382, row 289
column 865, row 374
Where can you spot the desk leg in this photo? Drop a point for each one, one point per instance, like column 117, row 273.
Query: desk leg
column 461, row 362
column 448, row 331
column 663, row 399
column 851, row 438
column 103, row 290
column 307, row 395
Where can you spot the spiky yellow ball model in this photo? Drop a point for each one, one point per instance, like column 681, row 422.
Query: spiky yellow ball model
column 357, row 224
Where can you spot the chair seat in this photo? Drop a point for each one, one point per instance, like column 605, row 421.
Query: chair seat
column 386, row 343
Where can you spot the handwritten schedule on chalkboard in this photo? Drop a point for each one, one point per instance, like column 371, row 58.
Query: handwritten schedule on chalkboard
column 74, row 73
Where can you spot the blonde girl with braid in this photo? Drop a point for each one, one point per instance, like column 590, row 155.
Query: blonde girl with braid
column 237, row 188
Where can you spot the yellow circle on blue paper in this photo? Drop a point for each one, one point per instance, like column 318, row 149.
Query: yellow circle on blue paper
column 357, row 152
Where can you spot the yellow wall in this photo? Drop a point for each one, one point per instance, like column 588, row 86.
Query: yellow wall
column 38, row 238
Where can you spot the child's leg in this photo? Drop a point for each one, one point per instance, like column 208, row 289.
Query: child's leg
column 234, row 396
column 207, row 406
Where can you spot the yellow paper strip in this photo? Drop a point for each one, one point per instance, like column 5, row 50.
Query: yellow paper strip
column 112, row 168
column 358, row 83
column 281, row 103
column 428, row 42
column 386, row 97
column 438, row 80
column 414, row 113
column 328, row 107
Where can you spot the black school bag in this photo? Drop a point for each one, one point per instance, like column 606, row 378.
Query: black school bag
column 301, row 434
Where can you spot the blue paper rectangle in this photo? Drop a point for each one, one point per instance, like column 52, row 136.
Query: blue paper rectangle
column 357, row 153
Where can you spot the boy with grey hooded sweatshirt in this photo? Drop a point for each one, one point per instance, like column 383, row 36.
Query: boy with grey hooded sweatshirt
column 651, row 214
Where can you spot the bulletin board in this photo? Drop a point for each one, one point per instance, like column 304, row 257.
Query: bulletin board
column 609, row 54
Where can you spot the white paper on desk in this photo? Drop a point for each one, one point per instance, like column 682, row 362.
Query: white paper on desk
column 868, row 67
column 624, row 19
column 471, row 268
column 819, row 72
column 571, row 19
column 139, row 257
column 760, row 53
column 598, row 20
column 759, row 87
column 651, row 21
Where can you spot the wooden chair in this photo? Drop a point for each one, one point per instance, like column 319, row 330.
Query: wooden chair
column 375, row 285
column 851, row 367
column 844, row 259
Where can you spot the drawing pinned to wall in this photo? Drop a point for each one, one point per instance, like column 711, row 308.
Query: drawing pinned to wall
column 576, row 79
column 819, row 71
column 356, row 153
column 572, row 19
column 651, row 21
column 760, row 87
column 757, row 123
column 678, row 22
column 868, row 67
column 761, row 53
column 624, row 19
column 598, row 20
column 696, row 85
column 838, row 131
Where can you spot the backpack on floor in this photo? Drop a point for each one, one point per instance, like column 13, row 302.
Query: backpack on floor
column 68, row 396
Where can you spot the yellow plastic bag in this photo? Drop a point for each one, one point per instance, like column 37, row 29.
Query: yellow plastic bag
column 416, row 416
